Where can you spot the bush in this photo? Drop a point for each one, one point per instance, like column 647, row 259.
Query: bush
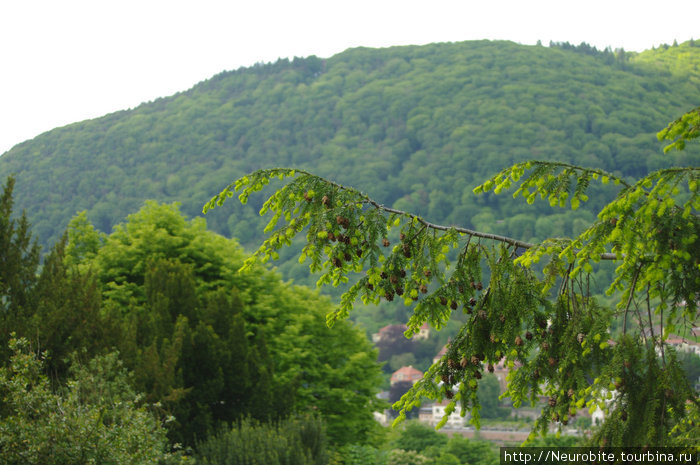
column 96, row 418
column 358, row 454
column 295, row 441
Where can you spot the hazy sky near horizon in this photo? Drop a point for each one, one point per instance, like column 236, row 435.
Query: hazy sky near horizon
column 70, row 60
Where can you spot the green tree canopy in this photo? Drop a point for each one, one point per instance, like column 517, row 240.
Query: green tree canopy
column 213, row 345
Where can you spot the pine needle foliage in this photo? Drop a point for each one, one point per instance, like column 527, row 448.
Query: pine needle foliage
column 528, row 306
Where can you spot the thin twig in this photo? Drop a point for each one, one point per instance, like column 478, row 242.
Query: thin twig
column 629, row 300
column 651, row 323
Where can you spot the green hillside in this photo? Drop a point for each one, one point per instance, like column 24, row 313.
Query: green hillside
column 417, row 127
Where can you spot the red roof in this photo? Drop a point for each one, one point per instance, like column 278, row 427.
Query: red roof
column 406, row 374
column 389, row 327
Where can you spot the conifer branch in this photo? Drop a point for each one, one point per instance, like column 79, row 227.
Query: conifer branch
column 438, row 227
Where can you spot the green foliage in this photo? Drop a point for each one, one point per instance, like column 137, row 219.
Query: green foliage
column 489, row 398
column 540, row 320
column 296, row 441
column 471, row 451
column 685, row 128
column 419, row 437
column 19, row 256
column 83, row 240
column 357, row 454
column 207, row 346
column 212, row 345
column 406, row 457
column 691, row 366
column 97, row 418
column 66, row 316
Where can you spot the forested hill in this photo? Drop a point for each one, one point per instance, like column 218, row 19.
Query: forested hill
column 416, row 127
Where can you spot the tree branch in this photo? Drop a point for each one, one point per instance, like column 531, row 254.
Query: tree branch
column 438, row 227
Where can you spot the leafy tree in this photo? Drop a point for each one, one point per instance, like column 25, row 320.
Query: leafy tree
column 418, row 437
column 358, row 454
column 213, row 346
column 539, row 315
column 473, row 452
column 97, row 418
column 446, row 458
column 83, row 240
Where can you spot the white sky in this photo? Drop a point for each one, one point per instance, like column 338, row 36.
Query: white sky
column 63, row 61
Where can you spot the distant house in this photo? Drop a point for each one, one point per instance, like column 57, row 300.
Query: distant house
column 687, row 343
column 423, row 333
column 406, row 374
column 432, row 413
column 388, row 330
column 455, row 420
column 684, row 345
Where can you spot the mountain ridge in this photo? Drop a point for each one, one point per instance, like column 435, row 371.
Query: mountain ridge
column 414, row 126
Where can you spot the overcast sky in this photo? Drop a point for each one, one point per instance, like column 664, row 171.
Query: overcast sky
column 64, row 61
